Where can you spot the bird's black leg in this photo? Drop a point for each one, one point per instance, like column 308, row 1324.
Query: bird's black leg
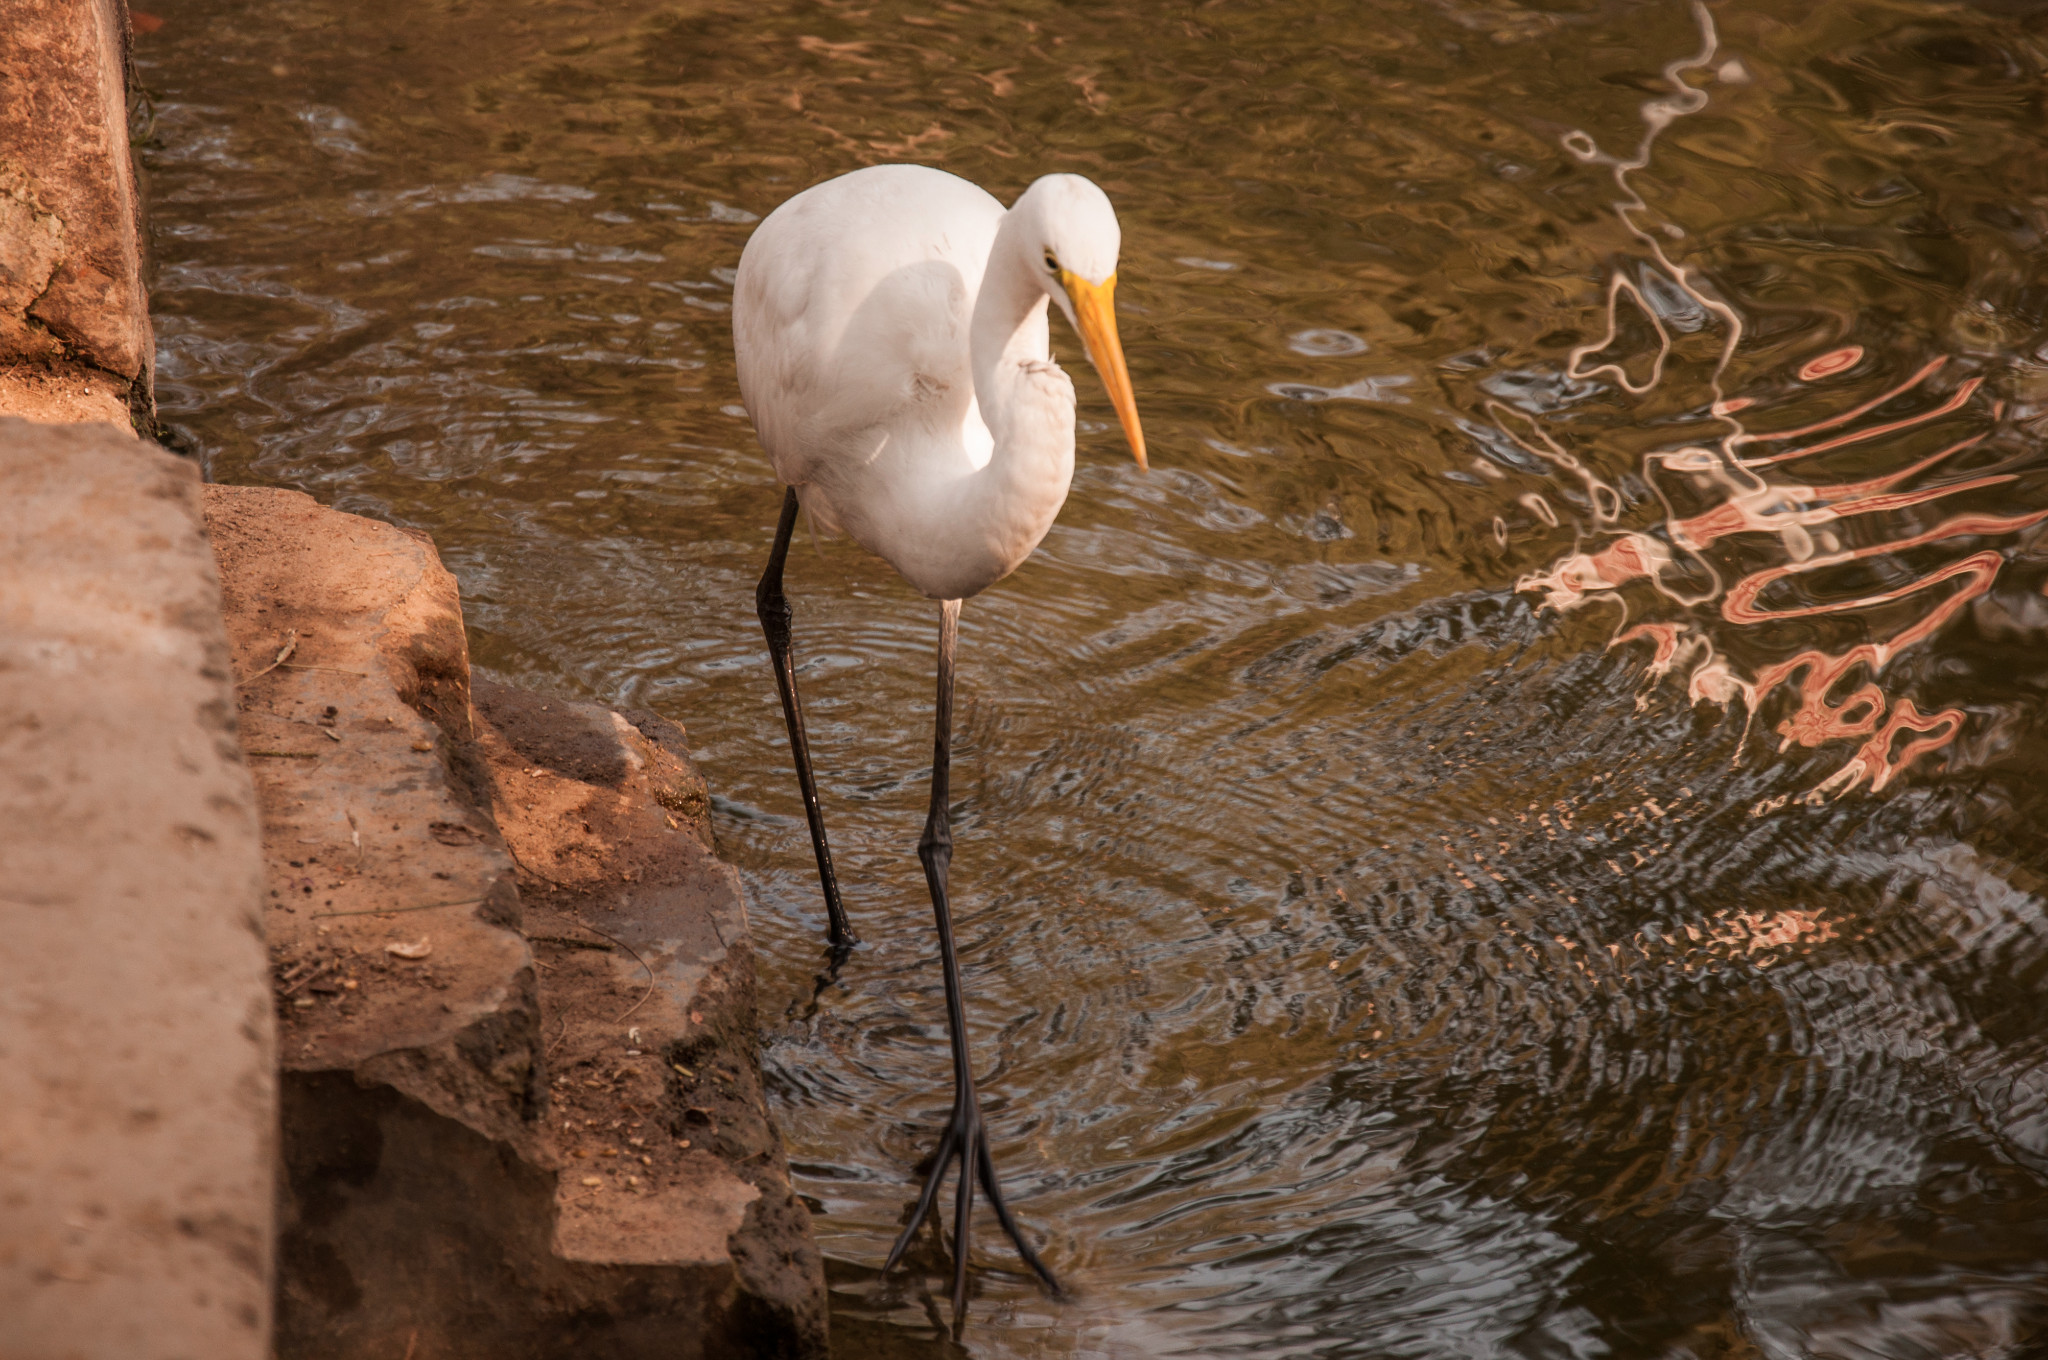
column 966, row 1137
column 773, row 607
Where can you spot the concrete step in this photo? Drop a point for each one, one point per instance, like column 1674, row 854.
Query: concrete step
column 138, row 1103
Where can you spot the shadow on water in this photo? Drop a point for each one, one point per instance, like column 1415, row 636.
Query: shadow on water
column 1521, row 837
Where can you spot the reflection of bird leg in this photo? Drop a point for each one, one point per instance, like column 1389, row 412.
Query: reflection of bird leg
column 966, row 1136
column 773, row 607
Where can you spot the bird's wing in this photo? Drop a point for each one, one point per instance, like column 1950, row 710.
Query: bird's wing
column 851, row 312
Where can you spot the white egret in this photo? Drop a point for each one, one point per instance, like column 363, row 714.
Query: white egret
column 890, row 329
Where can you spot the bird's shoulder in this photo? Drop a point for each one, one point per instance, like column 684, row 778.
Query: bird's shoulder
column 852, row 308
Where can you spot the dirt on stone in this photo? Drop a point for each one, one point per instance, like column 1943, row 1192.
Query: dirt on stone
column 649, row 1038
column 60, row 393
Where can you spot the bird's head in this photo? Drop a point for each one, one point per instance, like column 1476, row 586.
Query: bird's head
column 1077, row 240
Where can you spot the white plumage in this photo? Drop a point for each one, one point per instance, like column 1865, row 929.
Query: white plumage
column 890, row 330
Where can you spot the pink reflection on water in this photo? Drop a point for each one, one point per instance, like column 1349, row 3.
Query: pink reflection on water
column 1830, row 364
column 1839, row 695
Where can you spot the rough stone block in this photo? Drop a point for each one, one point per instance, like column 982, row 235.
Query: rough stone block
column 137, row 1124
column 392, row 911
column 487, row 1156
column 71, row 233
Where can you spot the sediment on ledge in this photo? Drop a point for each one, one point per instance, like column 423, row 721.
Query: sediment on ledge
column 514, row 987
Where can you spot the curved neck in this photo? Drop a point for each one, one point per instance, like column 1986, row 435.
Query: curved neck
column 980, row 526
column 1009, row 328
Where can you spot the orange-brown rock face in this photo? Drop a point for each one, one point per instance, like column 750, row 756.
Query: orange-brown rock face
column 514, row 988
column 75, row 337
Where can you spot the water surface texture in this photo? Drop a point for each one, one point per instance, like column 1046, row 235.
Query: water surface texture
column 1521, row 837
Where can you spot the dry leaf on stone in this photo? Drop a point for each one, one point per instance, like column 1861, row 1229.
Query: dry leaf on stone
column 413, row 949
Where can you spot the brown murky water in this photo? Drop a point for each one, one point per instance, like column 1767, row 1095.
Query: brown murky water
column 1523, row 836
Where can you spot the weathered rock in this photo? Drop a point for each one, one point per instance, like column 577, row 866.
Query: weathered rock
column 137, row 1121
column 446, row 1116
column 72, row 290
column 652, row 1032
column 348, row 645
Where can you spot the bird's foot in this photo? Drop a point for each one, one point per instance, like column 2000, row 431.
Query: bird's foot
column 965, row 1142
column 836, row 956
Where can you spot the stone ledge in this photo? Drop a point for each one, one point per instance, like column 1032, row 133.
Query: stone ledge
column 137, row 1130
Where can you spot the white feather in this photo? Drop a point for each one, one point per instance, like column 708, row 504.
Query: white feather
column 890, row 331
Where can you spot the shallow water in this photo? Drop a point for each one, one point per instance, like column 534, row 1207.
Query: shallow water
column 1485, row 851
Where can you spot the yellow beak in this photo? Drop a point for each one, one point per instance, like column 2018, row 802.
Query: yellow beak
column 1095, row 313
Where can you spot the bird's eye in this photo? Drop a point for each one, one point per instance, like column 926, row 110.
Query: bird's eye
column 1052, row 262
